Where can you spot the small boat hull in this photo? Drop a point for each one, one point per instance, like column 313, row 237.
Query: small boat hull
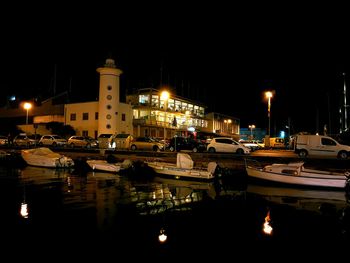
column 306, row 178
column 171, row 170
column 102, row 165
column 44, row 157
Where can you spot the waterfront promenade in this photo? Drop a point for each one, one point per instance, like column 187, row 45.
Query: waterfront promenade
column 224, row 160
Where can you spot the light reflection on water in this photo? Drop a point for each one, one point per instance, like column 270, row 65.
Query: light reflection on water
column 105, row 208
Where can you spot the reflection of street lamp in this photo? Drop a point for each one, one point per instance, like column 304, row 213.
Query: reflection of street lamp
column 27, row 106
column 268, row 95
column 162, row 236
column 165, row 96
column 251, row 127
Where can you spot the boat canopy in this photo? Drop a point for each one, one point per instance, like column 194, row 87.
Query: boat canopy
column 184, row 160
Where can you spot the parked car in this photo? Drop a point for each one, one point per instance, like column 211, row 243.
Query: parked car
column 82, row 141
column 275, row 142
column 226, row 144
column 250, row 144
column 24, row 140
column 52, row 140
column 36, row 137
column 183, row 143
column 104, row 140
column 120, row 141
column 146, row 143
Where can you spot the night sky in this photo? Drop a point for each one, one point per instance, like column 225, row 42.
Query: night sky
column 223, row 56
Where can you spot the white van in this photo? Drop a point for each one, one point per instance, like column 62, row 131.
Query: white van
column 275, row 142
column 320, row 145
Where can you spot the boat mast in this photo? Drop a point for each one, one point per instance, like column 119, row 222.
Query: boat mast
column 345, row 107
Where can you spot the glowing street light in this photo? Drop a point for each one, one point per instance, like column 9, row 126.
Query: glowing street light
column 251, row 127
column 27, row 106
column 269, row 95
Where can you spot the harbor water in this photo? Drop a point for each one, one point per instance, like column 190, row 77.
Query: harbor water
column 70, row 213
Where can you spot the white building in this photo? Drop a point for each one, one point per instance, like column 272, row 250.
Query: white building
column 107, row 115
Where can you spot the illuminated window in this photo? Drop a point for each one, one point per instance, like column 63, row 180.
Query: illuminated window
column 155, row 100
column 109, row 97
column 144, row 99
column 108, row 116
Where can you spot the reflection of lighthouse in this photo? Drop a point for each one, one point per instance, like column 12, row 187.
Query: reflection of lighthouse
column 109, row 116
column 345, row 108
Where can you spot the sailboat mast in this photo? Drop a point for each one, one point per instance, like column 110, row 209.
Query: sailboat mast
column 345, row 107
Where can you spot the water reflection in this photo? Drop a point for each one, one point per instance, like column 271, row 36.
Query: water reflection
column 163, row 214
column 41, row 175
column 301, row 198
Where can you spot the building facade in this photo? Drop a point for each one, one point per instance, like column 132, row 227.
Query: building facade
column 107, row 115
column 147, row 112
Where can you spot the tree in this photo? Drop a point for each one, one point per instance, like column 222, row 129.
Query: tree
column 60, row 129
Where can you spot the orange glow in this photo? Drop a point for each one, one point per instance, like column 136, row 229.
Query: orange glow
column 164, row 95
column 24, row 210
column 27, row 106
column 268, row 94
column 267, row 228
column 162, row 236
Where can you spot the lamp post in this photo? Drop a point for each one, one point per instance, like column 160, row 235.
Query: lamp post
column 27, row 106
column 251, row 127
column 268, row 95
column 165, row 96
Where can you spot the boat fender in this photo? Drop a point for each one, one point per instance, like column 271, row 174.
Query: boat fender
column 61, row 161
column 347, row 175
column 347, row 183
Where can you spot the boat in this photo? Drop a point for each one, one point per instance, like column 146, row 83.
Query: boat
column 106, row 166
column 183, row 168
column 44, row 157
column 294, row 173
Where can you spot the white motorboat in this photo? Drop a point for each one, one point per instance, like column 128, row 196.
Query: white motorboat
column 183, row 168
column 44, row 157
column 296, row 174
column 104, row 165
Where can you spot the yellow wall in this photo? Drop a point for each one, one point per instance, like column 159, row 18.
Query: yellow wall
column 91, row 125
column 79, row 124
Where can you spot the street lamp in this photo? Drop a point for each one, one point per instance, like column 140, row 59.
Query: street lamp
column 251, row 127
column 165, row 96
column 27, row 106
column 268, row 95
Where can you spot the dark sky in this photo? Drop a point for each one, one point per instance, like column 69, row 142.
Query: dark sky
column 223, row 56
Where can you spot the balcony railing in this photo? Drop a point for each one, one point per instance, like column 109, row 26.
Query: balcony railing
column 155, row 123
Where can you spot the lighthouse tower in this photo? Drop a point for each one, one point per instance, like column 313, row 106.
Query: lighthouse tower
column 109, row 90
